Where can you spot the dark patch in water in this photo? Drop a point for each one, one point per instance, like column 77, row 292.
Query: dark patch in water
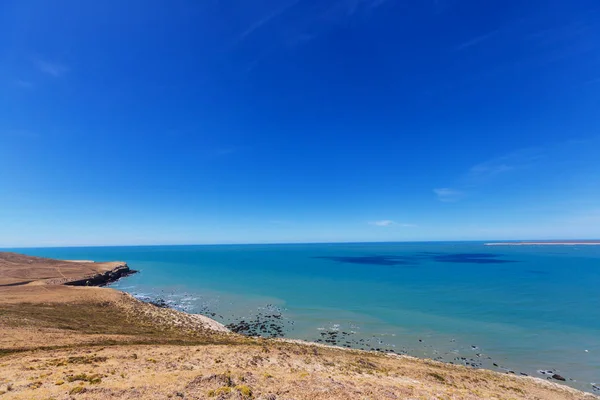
column 467, row 258
column 536, row 272
column 471, row 258
column 371, row 260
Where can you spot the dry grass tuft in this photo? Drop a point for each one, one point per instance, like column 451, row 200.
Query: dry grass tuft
column 93, row 379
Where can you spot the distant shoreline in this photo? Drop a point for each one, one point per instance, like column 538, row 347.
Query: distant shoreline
column 589, row 243
column 21, row 249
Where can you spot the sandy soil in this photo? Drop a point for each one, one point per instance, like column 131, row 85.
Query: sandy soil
column 64, row 342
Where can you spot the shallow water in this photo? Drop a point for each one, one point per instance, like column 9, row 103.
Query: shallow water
column 523, row 308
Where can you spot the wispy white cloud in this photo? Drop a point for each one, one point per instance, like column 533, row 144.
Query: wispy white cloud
column 576, row 159
column 300, row 27
column 23, row 84
column 409, row 225
column 383, row 222
column 517, row 160
column 476, row 40
column 489, row 170
column 266, row 19
column 389, row 222
column 542, row 48
column 335, row 11
column 51, row 68
column 448, row 195
column 225, row 151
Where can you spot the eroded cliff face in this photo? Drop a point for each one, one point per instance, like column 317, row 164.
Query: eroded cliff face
column 19, row 269
column 104, row 278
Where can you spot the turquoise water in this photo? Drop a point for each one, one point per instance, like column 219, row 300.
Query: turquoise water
column 523, row 308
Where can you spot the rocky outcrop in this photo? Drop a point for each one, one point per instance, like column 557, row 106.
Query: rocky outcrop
column 104, row 278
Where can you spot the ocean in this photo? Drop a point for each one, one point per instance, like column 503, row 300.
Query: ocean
column 531, row 310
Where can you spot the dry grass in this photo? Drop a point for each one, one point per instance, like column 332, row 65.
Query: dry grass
column 284, row 371
column 113, row 318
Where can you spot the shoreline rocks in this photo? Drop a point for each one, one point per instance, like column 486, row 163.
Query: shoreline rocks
column 104, row 278
column 558, row 377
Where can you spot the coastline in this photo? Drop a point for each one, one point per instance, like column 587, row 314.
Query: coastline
column 119, row 323
column 589, row 243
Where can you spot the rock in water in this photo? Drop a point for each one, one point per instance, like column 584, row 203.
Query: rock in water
column 558, row 377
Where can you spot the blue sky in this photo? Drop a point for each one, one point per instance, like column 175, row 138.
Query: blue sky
column 163, row 122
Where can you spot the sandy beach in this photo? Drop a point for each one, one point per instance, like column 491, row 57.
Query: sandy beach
column 61, row 341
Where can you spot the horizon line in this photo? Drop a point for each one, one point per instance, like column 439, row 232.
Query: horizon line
column 299, row 243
